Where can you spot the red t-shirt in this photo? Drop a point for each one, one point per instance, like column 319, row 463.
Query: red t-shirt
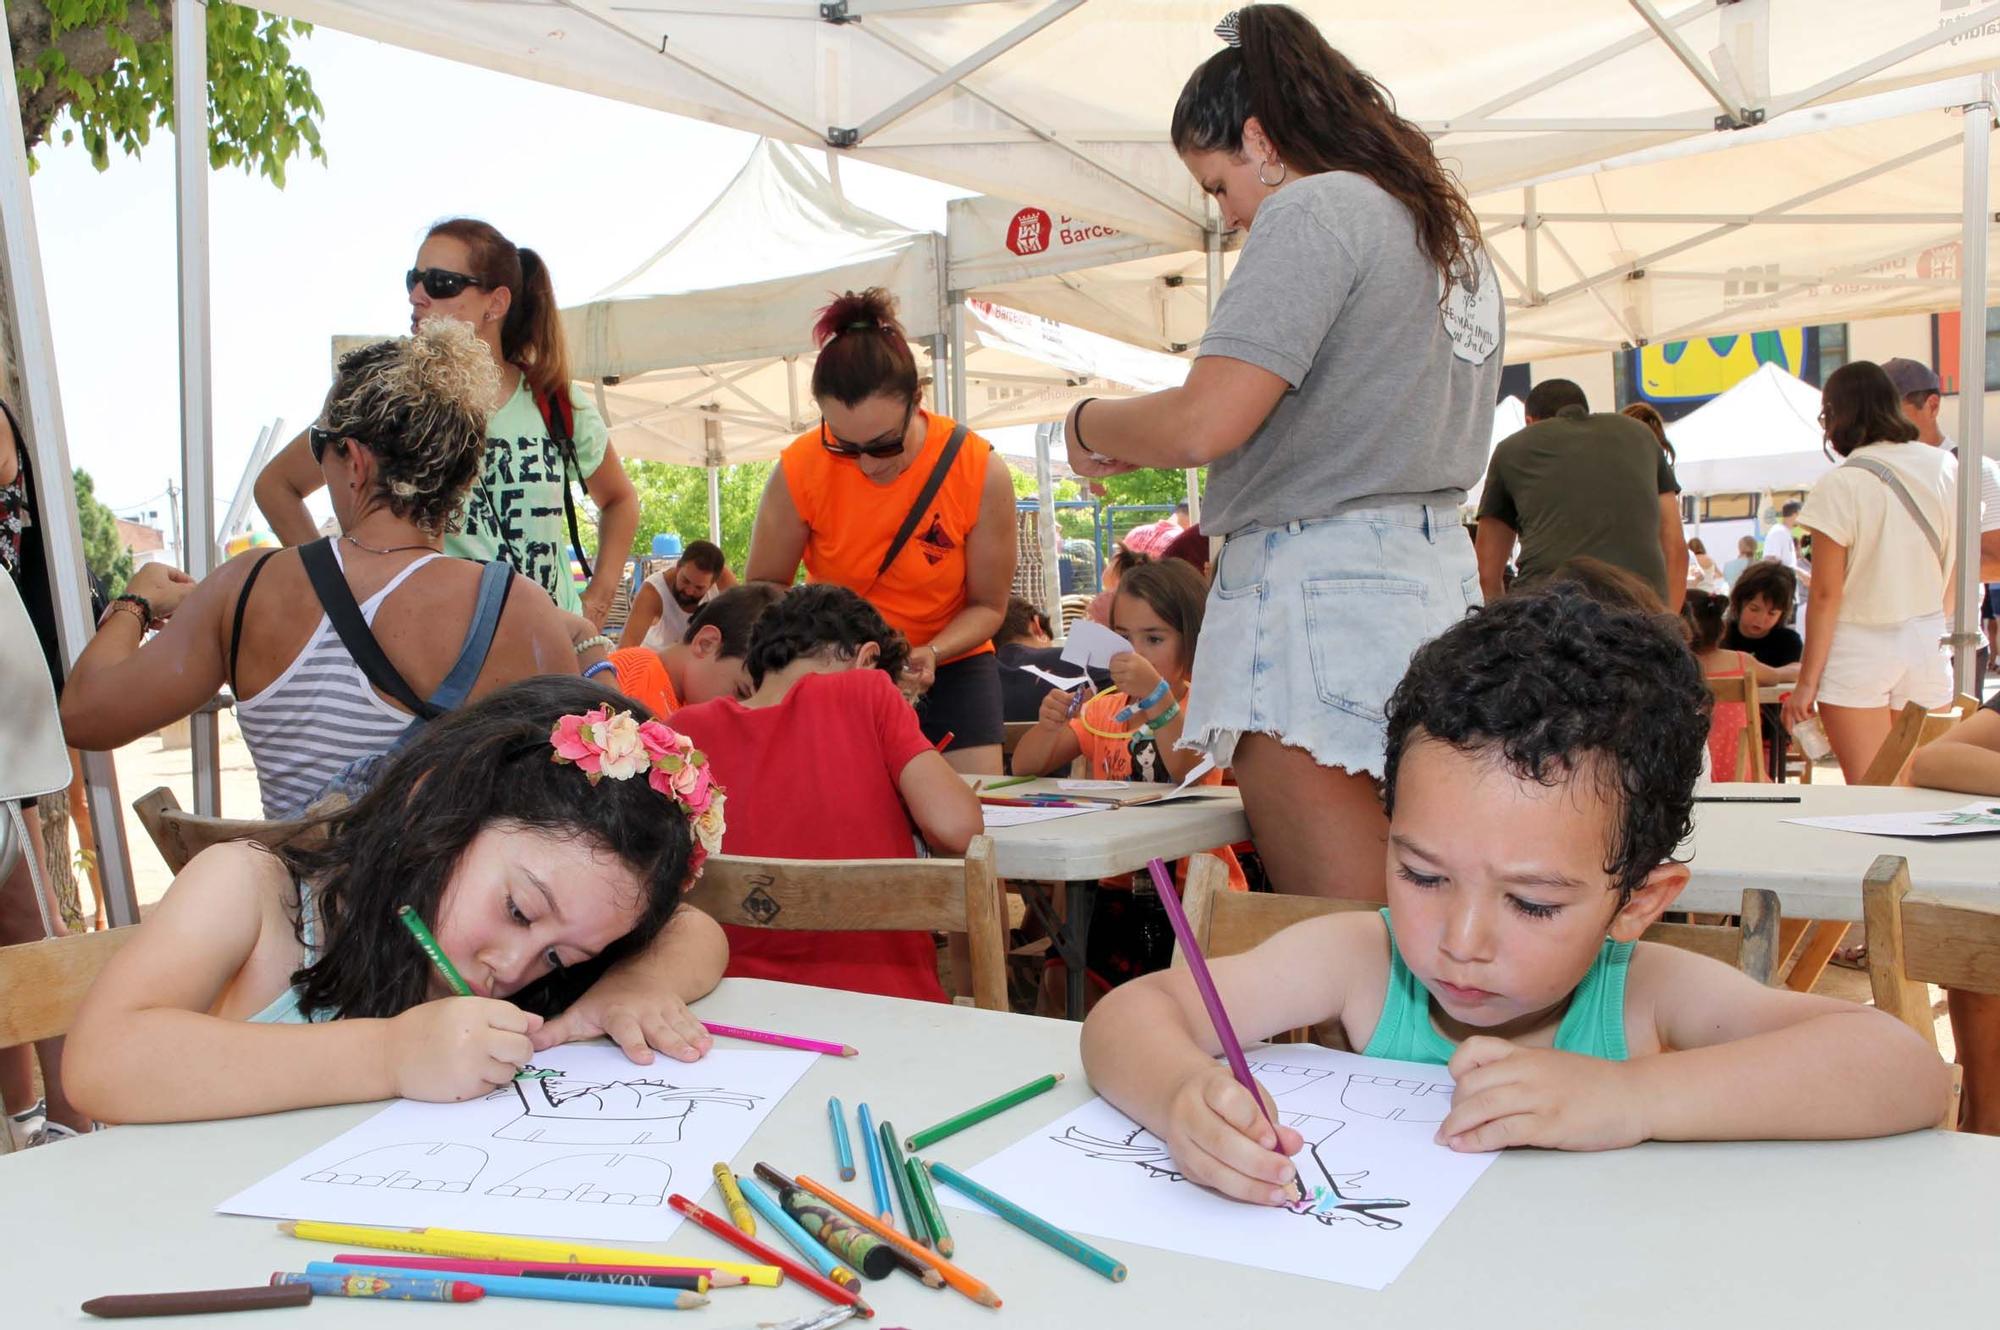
column 814, row 777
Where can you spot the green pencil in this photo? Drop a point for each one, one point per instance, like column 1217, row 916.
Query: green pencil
column 950, row 1126
column 1033, row 1225
column 927, row 1201
column 899, row 1177
column 451, row 976
column 1011, row 780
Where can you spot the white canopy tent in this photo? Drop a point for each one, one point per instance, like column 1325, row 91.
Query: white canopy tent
column 1763, row 434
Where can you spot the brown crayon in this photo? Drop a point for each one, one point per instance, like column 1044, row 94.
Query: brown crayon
column 195, row 1301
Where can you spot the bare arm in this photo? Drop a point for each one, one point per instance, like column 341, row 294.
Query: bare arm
column 119, row 690
column 1673, row 545
column 943, row 806
column 778, row 540
column 1492, row 544
column 1050, row 744
column 1829, row 584
column 1210, row 416
column 1989, row 556
column 10, row 453
column 990, row 552
column 534, row 638
column 1965, row 757
column 646, row 607
column 617, row 518
column 281, row 490
column 641, row 1002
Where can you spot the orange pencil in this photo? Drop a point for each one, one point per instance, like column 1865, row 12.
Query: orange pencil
column 801, row 1273
column 957, row 1278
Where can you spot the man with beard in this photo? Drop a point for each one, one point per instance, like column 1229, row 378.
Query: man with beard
column 672, row 596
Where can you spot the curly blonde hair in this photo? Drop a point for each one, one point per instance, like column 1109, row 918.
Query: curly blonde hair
column 419, row 404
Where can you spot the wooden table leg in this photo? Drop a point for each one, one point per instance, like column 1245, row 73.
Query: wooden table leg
column 1821, row 942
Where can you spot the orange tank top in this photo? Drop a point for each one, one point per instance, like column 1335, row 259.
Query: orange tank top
column 851, row 520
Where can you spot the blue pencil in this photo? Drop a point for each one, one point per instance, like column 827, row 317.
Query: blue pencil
column 843, row 1151
column 545, row 1290
column 802, row 1242
column 878, row 1172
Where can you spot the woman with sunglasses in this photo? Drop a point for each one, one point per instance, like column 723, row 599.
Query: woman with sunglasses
column 907, row 509
column 467, row 270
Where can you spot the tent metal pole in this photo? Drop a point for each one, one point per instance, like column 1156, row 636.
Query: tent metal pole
column 1965, row 26
column 712, row 462
column 1583, row 65
column 1045, row 524
column 1966, row 596
column 1691, row 62
column 940, row 344
column 197, row 425
column 1531, row 228
column 40, row 399
column 955, row 355
column 947, row 78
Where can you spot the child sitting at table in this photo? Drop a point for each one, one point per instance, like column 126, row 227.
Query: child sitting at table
column 825, row 760
column 706, row 663
column 540, row 833
column 1541, row 763
column 1703, row 613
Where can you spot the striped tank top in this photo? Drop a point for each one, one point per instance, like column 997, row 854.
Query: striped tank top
column 319, row 715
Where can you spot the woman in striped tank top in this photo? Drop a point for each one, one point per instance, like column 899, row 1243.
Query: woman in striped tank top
column 399, row 442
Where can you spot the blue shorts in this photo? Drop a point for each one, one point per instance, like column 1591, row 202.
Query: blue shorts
column 1310, row 626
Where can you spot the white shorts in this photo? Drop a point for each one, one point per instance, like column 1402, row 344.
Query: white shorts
column 1886, row 665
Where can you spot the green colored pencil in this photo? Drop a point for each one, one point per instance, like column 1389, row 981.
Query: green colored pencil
column 1011, row 780
column 1033, row 1225
column 927, row 1201
column 445, row 969
column 930, row 1136
column 899, row 1177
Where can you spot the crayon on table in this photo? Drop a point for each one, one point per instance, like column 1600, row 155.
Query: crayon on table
column 878, row 1173
column 394, row 1288
column 801, row 1241
column 843, row 1150
column 927, row 1204
column 781, row 1040
column 700, row 1279
column 899, row 1179
column 1031, row 1224
column 193, row 1302
column 732, row 1200
column 971, row 1287
column 978, row 1113
column 545, row 1290
column 803, row 1274
column 692, row 1283
column 498, row 1247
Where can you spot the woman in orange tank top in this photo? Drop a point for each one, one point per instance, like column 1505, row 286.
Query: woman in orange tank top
column 844, row 492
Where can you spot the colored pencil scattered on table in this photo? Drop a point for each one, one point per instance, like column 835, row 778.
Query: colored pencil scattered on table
column 843, row 1150
column 928, row 1207
column 849, row 1241
column 698, row 1278
column 545, row 1290
column 970, row 1286
column 801, row 1241
column 899, row 1180
column 781, row 1040
column 1028, row 1222
column 878, row 1172
column 732, row 1200
column 1011, row 780
column 978, row 1113
column 391, row 1288
column 499, row 1247
column 736, row 1237
column 194, row 1301
column 1204, row 983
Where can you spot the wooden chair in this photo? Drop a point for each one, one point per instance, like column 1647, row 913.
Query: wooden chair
column 42, row 984
column 1012, row 739
column 1915, row 939
column 1074, row 608
column 1742, row 688
column 931, row 895
column 181, row 835
column 1906, row 735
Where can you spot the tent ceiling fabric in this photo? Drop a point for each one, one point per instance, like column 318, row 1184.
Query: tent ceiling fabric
column 1069, row 100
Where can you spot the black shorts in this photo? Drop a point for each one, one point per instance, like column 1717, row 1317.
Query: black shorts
column 1992, row 601
column 964, row 702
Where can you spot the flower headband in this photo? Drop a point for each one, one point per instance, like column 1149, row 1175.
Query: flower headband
column 603, row 742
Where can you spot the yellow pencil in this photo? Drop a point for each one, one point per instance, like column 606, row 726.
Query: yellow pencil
column 497, row 1247
column 732, row 1198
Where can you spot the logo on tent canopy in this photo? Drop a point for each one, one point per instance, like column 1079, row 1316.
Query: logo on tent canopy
column 1029, row 232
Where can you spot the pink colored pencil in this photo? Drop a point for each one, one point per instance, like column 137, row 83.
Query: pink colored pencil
column 469, row 1266
column 782, row 1040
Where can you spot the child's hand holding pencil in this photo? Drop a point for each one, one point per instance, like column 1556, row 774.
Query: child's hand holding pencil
column 457, row 1048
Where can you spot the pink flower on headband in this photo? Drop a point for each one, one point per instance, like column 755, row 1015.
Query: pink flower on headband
column 602, row 742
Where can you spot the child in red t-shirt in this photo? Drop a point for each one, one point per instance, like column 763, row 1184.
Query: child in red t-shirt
column 824, row 760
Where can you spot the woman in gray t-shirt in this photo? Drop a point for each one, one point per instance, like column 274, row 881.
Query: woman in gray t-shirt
column 1342, row 399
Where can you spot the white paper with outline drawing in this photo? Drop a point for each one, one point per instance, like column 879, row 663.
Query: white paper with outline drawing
column 1092, row 645
column 1380, row 1186
column 1974, row 819
column 1010, row 815
column 589, row 1151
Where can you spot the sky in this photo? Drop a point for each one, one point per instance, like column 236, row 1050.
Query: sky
column 594, row 186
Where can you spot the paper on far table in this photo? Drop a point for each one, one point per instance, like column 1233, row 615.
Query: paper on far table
column 590, row 1153
column 1092, row 645
column 1062, row 681
column 1380, row 1186
column 1095, row 786
column 1010, row 815
column 1975, row 819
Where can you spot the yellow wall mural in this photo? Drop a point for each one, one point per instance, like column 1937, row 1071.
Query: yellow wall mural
column 1705, row 366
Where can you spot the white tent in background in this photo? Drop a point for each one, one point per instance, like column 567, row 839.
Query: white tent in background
column 1510, row 415
column 1763, row 434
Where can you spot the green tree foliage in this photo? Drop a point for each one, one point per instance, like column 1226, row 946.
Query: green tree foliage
column 109, row 64
column 103, row 552
column 673, row 500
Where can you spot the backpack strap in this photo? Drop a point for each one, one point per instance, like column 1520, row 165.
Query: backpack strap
column 338, row 602
column 1901, row 491
column 243, row 603
column 496, row 579
column 559, row 417
column 932, row 484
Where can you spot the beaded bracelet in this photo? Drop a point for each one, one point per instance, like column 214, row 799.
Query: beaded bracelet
column 592, row 643
column 142, row 606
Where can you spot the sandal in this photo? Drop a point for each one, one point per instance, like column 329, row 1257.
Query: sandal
column 1853, row 956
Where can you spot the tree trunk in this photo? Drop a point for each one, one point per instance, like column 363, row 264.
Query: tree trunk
column 57, row 861
column 31, row 30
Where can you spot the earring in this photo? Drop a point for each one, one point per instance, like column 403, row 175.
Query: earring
column 1283, row 171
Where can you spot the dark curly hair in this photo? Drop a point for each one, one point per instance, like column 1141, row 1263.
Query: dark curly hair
column 398, row 845
column 817, row 617
column 1560, row 686
column 1766, row 580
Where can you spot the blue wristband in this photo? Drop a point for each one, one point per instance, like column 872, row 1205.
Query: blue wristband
column 1146, row 703
column 592, row 671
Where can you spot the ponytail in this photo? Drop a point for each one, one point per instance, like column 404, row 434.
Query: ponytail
column 863, row 350
column 1323, row 114
column 531, row 338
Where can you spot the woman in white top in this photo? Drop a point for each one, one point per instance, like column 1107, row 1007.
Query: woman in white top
column 1703, row 574
column 1883, row 554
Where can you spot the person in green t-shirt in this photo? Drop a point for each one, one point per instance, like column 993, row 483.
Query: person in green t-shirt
column 467, row 270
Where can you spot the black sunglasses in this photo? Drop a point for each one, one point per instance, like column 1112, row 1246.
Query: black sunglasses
column 319, row 438
column 439, row 283
column 886, row 446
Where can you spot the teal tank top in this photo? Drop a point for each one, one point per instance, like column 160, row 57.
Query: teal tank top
column 1594, row 1025
column 284, row 1008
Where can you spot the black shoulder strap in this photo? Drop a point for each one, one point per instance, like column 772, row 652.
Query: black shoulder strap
column 243, row 603
column 556, row 415
column 929, row 492
column 338, row 601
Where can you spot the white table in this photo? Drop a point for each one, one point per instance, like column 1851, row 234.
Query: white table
column 1079, row 850
column 1662, row 1235
column 1815, row 871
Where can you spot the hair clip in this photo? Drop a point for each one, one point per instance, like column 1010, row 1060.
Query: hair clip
column 1227, row 29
